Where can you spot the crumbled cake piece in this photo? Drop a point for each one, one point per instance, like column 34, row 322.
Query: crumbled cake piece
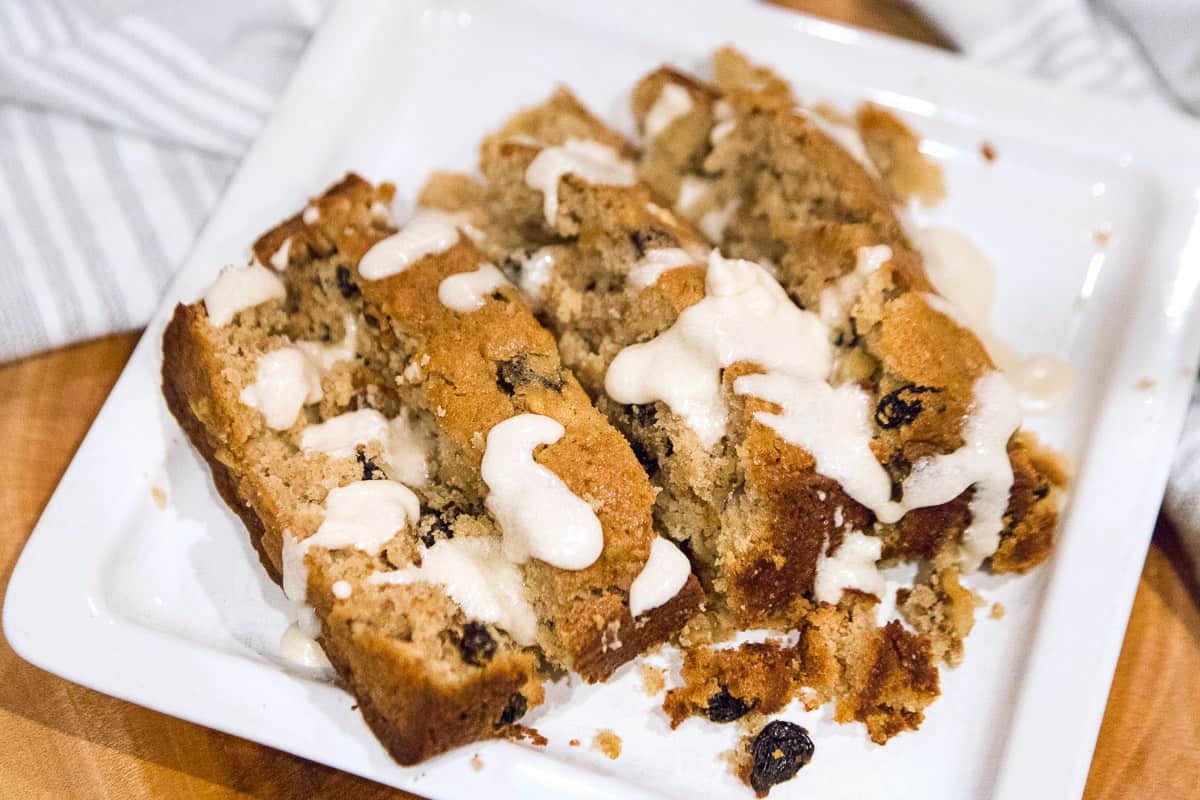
column 724, row 685
column 942, row 609
column 608, row 743
column 882, row 677
column 996, row 611
column 654, row 679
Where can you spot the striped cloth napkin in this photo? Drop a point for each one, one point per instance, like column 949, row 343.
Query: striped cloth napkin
column 121, row 120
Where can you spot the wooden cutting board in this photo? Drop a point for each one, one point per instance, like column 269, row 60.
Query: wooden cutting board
column 59, row 740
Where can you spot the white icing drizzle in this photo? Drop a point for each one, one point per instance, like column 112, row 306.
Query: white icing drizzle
column 846, row 136
column 301, row 650
column 725, row 122
column 692, row 191
column 536, row 270
column 311, row 214
column 593, row 162
column 853, row 566
column 654, row 263
column 403, row 447
column 964, row 278
column 743, row 317
column 279, row 259
column 832, row 425
column 364, row 515
column 837, row 300
column 665, row 573
column 324, row 356
column 238, row 288
column 477, row 577
column 539, row 516
column 379, row 209
column 673, row 102
column 713, row 223
column 960, row 272
column 430, row 231
column 467, row 291
column 285, row 381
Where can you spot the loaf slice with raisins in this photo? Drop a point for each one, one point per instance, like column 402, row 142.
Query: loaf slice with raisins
column 426, row 675
column 472, row 370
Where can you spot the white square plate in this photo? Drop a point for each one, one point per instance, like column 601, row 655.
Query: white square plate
column 169, row 609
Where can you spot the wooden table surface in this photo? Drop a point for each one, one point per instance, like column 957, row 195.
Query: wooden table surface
column 62, row 741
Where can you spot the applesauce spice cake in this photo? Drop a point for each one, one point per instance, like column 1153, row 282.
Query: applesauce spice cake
column 452, row 517
column 419, row 426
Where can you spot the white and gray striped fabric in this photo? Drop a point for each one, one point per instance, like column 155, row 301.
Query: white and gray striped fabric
column 120, row 123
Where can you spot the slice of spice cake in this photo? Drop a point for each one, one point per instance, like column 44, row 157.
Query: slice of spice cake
column 311, row 447
column 939, row 461
column 362, row 505
column 512, row 425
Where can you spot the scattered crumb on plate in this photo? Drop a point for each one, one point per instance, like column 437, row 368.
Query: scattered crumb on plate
column 653, row 679
column 988, row 151
column 160, row 496
column 997, row 611
column 608, row 743
column 476, row 762
column 574, row 743
column 524, row 733
column 1146, row 384
column 1101, row 236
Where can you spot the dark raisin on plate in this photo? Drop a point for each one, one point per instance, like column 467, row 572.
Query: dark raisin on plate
column 900, row 407
column 515, row 709
column 476, row 645
column 779, row 751
column 724, row 707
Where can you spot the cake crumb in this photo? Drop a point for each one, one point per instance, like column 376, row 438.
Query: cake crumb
column 160, row 496
column 476, row 763
column 524, row 733
column 988, row 151
column 1101, row 237
column 574, row 743
column 608, row 743
column 1146, row 384
column 997, row 611
column 653, row 679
